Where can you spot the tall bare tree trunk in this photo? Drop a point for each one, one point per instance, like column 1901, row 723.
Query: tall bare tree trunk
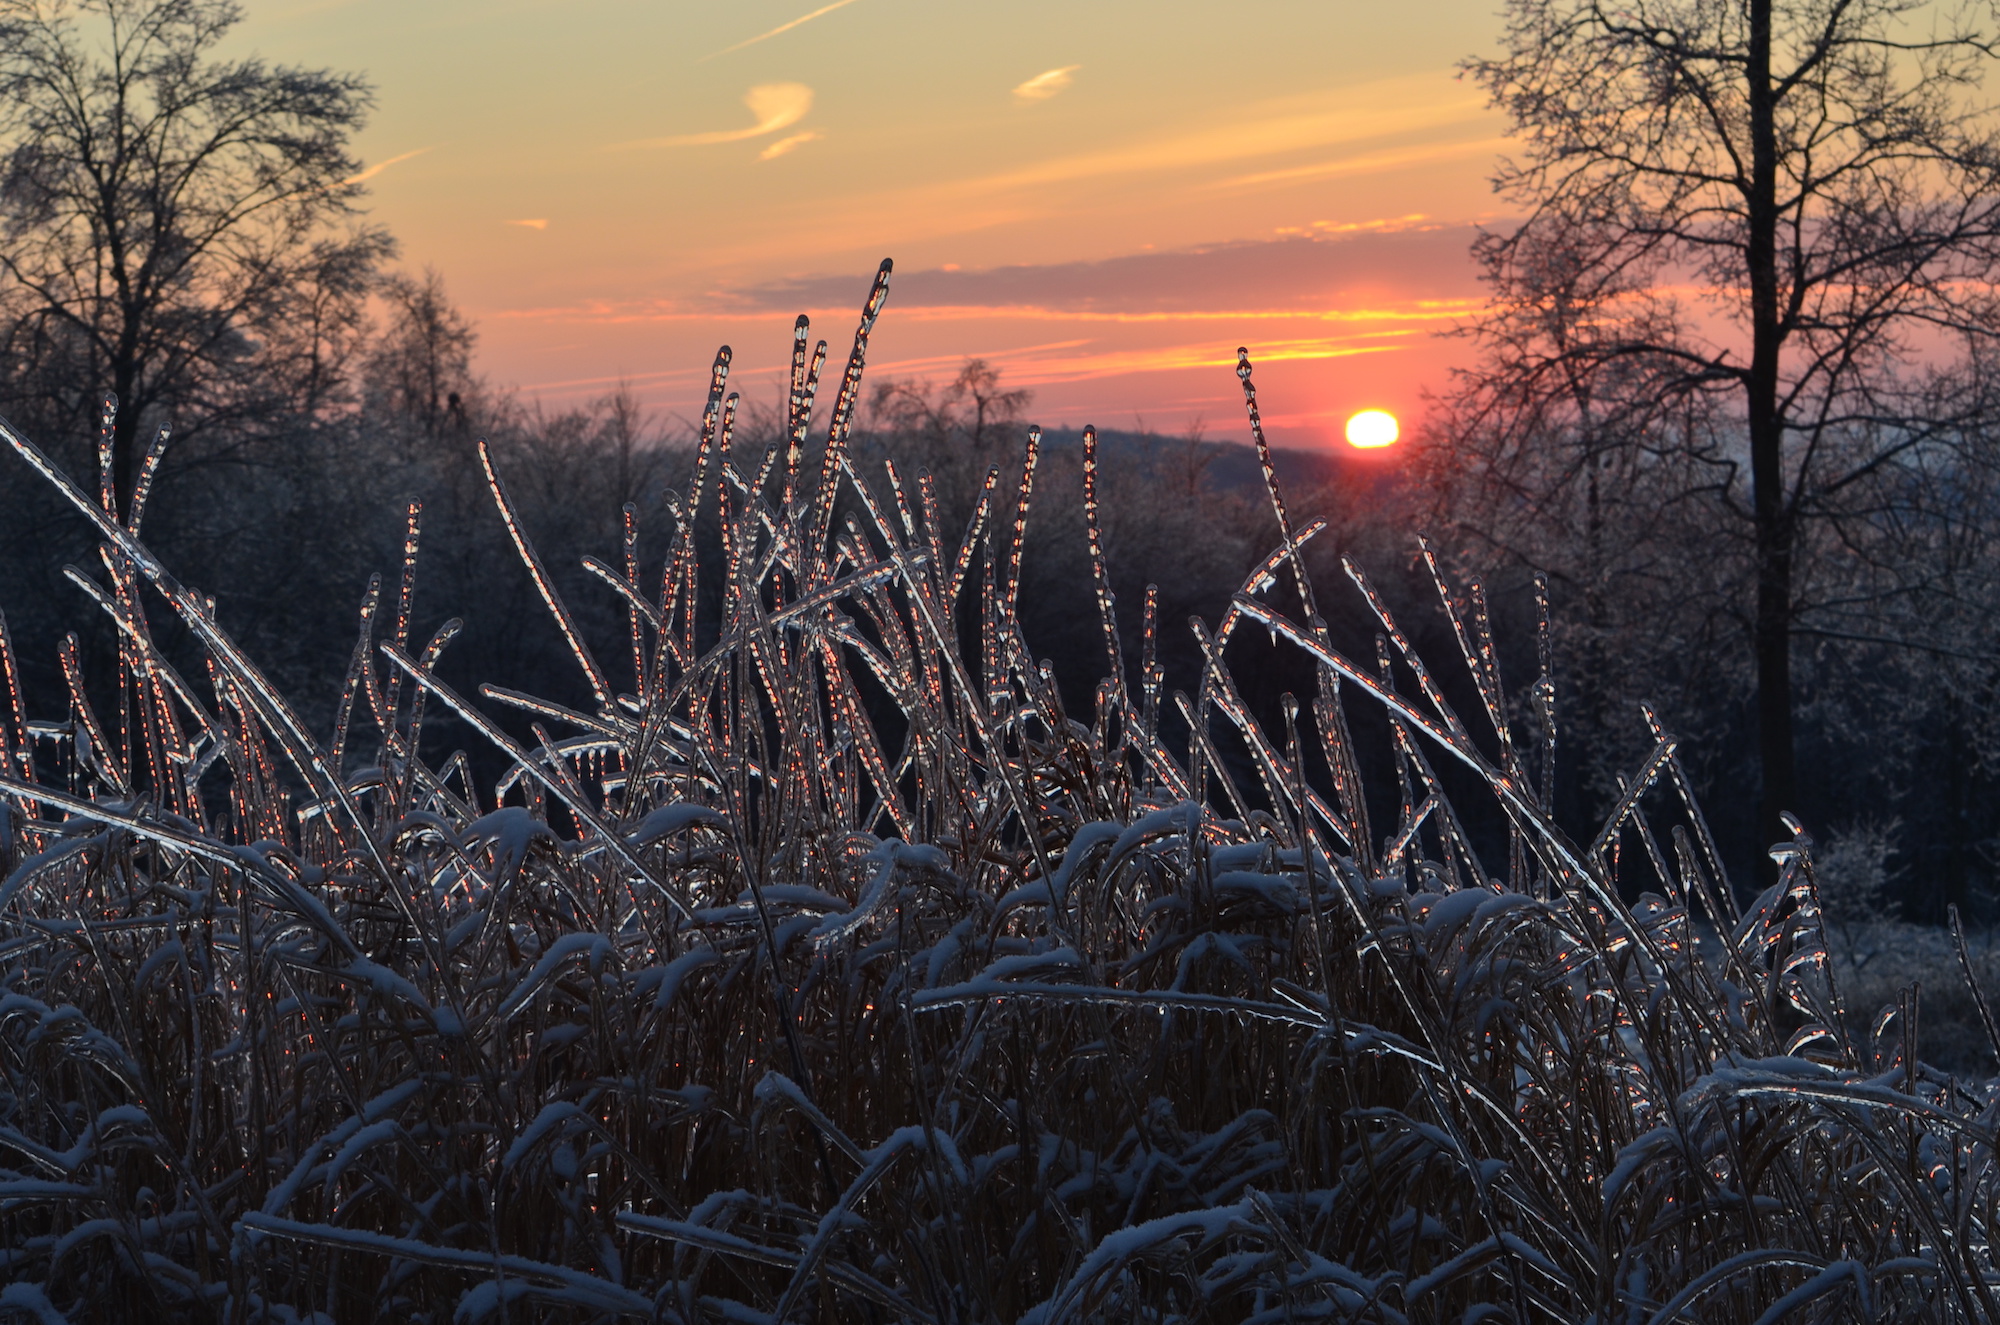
column 1775, row 534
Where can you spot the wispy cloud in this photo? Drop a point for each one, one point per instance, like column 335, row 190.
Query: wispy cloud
column 1049, row 370
column 769, row 371
column 533, row 223
column 1344, row 269
column 782, row 28
column 784, row 145
column 776, row 106
column 1067, row 361
column 1267, row 131
column 1357, row 306
column 1049, row 364
column 1045, row 85
column 1369, row 163
column 1379, row 226
column 1385, row 320
column 1416, row 311
column 1174, row 161
column 381, row 166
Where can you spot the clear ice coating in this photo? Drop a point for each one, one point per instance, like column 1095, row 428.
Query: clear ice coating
column 839, row 972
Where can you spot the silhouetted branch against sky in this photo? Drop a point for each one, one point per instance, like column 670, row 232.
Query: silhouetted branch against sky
column 1787, row 211
column 166, row 209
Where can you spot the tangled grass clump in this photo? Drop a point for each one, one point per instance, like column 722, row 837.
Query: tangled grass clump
column 837, row 972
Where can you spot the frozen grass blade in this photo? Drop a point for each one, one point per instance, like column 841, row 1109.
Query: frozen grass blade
column 543, row 585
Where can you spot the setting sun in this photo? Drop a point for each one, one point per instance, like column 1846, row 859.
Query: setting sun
column 1372, row 428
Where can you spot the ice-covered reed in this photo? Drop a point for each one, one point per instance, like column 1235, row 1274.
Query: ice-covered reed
column 836, row 972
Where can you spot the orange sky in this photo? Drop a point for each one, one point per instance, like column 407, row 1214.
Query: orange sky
column 1104, row 200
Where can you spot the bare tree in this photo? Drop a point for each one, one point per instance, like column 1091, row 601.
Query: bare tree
column 419, row 368
column 1749, row 224
column 956, row 432
column 974, row 407
column 171, row 222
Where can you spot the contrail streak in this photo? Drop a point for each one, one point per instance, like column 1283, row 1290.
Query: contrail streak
column 782, row 28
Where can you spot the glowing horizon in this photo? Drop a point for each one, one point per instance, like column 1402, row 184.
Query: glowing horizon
column 1102, row 204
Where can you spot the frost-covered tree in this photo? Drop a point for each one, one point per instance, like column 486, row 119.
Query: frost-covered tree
column 175, row 226
column 1753, row 229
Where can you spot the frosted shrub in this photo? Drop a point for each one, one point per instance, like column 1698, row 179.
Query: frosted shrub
column 826, row 968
